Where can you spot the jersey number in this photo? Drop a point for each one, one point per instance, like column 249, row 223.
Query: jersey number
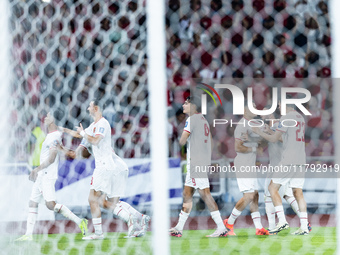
column 300, row 132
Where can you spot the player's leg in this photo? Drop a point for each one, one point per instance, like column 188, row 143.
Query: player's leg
column 273, row 188
column 277, row 201
column 213, row 208
column 48, row 189
column 35, row 198
column 142, row 219
column 289, row 197
column 256, row 216
column 298, row 194
column 269, row 206
column 237, row 210
column 188, row 193
column 31, row 220
column 94, row 201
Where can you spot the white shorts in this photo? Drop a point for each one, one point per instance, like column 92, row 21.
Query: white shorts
column 283, row 191
column 43, row 190
column 247, row 185
column 109, row 182
column 290, row 182
column 196, row 183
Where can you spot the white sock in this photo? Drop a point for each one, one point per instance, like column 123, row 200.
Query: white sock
column 183, row 216
column 270, row 211
column 121, row 213
column 216, row 216
column 31, row 219
column 233, row 216
column 294, row 205
column 280, row 213
column 97, row 224
column 131, row 210
column 59, row 208
column 303, row 221
column 257, row 220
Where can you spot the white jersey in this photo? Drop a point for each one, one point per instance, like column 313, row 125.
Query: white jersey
column 275, row 149
column 102, row 152
column 199, row 141
column 293, row 139
column 50, row 143
column 246, row 159
column 120, row 164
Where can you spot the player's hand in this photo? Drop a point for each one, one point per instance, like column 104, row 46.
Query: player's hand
column 33, row 175
column 268, row 130
column 80, row 128
column 61, row 129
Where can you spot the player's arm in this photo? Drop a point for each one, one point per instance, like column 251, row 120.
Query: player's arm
column 43, row 165
column 184, row 138
column 239, row 147
column 70, row 132
column 277, row 136
column 91, row 139
column 80, row 152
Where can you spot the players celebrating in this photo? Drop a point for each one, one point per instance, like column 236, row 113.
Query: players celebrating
column 293, row 155
column 44, row 177
column 109, row 177
column 246, row 156
column 197, row 134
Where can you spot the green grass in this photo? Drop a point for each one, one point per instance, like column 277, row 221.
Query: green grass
column 322, row 240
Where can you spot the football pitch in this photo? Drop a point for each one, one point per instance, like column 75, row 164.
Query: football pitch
column 322, row 240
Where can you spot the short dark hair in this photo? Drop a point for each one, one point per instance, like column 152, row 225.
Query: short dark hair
column 195, row 101
column 97, row 102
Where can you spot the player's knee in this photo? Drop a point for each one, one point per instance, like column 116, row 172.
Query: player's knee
column 249, row 197
column 50, row 205
column 92, row 200
column 297, row 193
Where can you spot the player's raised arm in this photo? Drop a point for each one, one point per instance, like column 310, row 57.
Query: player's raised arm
column 277, row 136
column 70, row 132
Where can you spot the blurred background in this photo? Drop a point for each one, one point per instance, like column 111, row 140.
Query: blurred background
column 66, row 52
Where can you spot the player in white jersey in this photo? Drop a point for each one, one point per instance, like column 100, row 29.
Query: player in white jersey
column 108, row 180
column 293, row 156
column 246, row 157
column 44, row 178
column 122, row 209
column 275, row 153
column 197, row 134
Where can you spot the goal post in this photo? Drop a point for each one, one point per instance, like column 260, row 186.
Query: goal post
column 335, row 21
column 157, row 89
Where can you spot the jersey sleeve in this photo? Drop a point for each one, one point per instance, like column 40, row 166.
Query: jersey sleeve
column 54, row 142
column 88, row 131
column 187, row 126
column 101, row 128
column 238, row 133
